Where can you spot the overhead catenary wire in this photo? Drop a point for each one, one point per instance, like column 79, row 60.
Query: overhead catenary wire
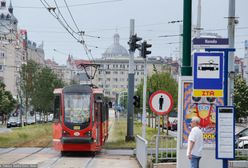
column 82, row 41
column 65, row 25
column 75, row 5
column 71, row 15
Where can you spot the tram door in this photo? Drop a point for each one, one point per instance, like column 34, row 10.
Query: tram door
column 98, row 107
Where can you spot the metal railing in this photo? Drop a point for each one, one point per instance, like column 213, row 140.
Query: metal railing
column 167, row 148
column 141, row 151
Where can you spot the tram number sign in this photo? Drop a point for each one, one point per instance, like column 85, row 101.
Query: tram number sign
column 161, row 102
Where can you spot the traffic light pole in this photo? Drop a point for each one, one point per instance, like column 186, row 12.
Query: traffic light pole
column 144, row 101
column 130, row 111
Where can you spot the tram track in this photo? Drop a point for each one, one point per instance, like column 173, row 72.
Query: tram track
column 8, row 151
column 35, row 152
column 89, row 163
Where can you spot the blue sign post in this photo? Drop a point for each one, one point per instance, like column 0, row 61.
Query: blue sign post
column 208, row 75
column 225, row 51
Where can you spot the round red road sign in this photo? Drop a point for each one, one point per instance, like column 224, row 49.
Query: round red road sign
column 161, row 102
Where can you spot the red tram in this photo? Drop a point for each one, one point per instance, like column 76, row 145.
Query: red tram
column 80, row 119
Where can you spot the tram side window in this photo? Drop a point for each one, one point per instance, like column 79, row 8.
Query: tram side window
column 56, row 108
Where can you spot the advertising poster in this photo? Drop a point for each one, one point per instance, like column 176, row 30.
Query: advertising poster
column 202, row 107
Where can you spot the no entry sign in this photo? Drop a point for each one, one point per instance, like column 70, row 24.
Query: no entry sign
column 161, row 102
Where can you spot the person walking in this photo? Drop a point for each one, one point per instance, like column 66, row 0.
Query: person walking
column 195, row 143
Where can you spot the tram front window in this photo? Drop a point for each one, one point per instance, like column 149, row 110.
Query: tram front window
column 77, row 109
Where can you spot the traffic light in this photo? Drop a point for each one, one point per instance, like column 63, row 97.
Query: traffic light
column 133, row 43
column 136, row 101
column 144, row 47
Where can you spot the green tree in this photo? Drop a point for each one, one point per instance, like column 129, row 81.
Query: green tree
column 42, row 95
column 7, row 102
column 158, row 81
column 240, row 97
column 28, row 75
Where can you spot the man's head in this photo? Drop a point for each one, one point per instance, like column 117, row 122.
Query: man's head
column 195, row 121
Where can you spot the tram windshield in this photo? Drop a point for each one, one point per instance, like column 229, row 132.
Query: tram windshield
column 77, row 108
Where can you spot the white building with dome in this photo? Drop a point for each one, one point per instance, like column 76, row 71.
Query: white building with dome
column 114, row 65
column 115, row 50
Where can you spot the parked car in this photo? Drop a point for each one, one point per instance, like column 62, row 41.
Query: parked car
column 174, row 125
column 167, row 125
column 50, row 118
column 241, row 139
column 30, row 120
column 243, row 142
column 14, row 122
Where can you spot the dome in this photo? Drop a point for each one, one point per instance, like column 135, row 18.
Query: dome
column 115, row 49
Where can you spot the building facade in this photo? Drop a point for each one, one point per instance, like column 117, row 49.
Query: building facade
column 15, row 49
column 114, row 67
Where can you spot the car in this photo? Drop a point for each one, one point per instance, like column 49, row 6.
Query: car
column 242, row 142
column 14, row 122
column 242, row 133
column 167, row 125
column 30, row 120
column 174, row 125
column 50, row 118
column 241, row 138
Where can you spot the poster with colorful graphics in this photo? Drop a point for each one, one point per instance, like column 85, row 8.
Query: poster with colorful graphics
column 202, row 107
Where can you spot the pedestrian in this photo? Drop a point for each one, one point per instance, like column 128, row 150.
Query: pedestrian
column 195, row 143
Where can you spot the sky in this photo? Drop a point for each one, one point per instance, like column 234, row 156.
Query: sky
column 104, row 18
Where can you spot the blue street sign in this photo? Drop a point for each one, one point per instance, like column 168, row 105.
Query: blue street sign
column 210, row 41
column 208, row 74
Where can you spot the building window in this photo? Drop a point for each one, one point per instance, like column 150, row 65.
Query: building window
column 115, row 79
column 107, row 72
column 122, row 72
column 115, row 72
column 1, row 67
column 137, row 73
column 1, row 54
column 108, row 79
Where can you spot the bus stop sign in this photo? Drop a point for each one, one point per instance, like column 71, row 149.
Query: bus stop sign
column 208, row 74
column 161, row 102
